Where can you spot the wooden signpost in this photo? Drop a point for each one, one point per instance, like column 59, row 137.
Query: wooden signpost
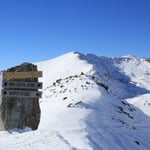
column 21, row 75
column 21, row 85
column 21, row 93
column 12, row 88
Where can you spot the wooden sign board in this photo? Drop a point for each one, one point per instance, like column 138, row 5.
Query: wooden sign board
column 21, row 75
column 21, row 85
column 20, row 93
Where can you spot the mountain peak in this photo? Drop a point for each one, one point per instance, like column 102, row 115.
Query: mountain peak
column 91, row 102
column 91, row 96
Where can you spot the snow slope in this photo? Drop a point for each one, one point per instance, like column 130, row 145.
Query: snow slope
column 90, row 103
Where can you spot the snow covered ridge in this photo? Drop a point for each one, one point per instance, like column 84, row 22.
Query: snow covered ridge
column 90, row 103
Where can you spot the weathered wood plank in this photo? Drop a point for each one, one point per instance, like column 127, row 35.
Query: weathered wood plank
column 20, row 93
column 21, row 85
column 21, row 75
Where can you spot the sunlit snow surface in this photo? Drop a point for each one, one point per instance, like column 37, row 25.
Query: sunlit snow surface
column 89, row 103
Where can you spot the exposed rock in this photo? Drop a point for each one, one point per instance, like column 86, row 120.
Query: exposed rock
column 147, row 59
column 21, row 112
column 1, row 122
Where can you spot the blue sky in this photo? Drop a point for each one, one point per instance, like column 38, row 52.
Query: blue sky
column 35, row 30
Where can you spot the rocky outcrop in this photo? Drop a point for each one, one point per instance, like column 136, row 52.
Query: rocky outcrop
column 147, row 59
column 21, row 112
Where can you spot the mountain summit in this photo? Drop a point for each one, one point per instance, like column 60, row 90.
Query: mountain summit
column 90, row 103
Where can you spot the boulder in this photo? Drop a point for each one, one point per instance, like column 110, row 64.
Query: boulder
column 21, row 112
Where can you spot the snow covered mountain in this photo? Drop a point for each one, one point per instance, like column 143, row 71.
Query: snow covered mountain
column 90, row 103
